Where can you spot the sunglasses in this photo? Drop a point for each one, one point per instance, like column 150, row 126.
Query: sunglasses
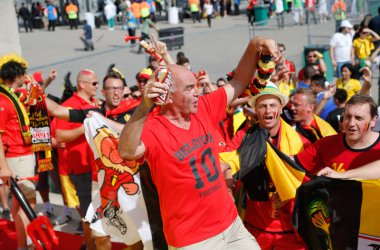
column 365, row 33
column 92, row 83
column 313, row 56
column 142, row 80
column 113, row 89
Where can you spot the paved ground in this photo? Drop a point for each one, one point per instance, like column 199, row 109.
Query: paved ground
column 216, row 49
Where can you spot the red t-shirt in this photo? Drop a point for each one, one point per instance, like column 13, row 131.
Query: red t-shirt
column 185, row 167
column 259, row 214
column 12, row 139
column 78, row 151
column 332, row 151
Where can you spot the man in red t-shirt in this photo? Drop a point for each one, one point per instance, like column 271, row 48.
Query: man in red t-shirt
column 266, row 218
column 180, row 147
column 16, row 155
column 309, row 125
column 358, row 145
column 77, row 149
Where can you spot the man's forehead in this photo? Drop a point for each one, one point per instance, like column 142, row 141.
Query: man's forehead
column 268, row 99
column 358, row 109
column 113, row 82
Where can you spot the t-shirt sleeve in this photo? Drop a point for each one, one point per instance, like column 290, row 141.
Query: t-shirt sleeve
column 215, row 104
column 333, row 41
column 3, row 116
column 309, row 158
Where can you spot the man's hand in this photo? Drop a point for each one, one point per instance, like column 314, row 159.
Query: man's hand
column 53, row 74
column 5, row 175
column 265, row 46
column 159, row 46
column 328, row 172
column 367, row 74
column 329, row 91
column 152, row 90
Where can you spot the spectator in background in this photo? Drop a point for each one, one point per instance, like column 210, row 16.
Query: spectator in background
column 131, row 24
column 87, row 36
column 289, row 64
column 72, row 15
column 341, row 50
column 279, row 10
column 347, row 82
column 308, row 74
column 221, row 82
column 339, row 13
column 374, row 24
column 135, row 8
column 318, row 86
column 364, row 44
column 322, row 11
column 110, row 12
column 315, row 59
column 208, row 9
column 335, row 116
column 51, row 13
column 310, row 9
column 251, row 12
column 26, row 17
column 194, row 9
column 184, row 61
column 298, row 12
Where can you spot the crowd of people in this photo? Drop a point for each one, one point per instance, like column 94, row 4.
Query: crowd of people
column 198, row 142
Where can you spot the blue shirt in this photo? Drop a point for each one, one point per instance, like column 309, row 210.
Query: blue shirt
column 87, row 31
column 302, row 84
column 330, row 106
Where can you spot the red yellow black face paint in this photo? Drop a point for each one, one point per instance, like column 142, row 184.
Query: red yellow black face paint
column 366, row 127
column 275, row 115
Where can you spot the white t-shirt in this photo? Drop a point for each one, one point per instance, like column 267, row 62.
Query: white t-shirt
column 209, row 9
column 342, row 44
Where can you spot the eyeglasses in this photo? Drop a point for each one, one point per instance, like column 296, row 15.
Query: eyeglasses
column 113, row 89
column 92, row 83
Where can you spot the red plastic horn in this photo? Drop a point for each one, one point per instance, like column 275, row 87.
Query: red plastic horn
column 39, row 229
column 129, row 38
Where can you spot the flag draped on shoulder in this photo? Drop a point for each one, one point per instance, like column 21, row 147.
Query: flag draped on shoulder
column 256, row 153
column 338, row 214
column 118, row 207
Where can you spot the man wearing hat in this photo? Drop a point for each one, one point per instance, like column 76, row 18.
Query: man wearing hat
column 267, row 218
column 341, row 50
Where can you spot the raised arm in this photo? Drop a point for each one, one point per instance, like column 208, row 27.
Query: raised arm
column 367, row 77
column 248, row 65
column 57, row 110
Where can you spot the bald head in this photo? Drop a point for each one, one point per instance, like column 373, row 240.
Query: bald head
column 181, row 75
column 84, row 75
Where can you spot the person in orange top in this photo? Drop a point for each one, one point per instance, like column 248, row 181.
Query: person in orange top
column 194, row 9
column 339, row 10
column 135, row 8
column 72, row 15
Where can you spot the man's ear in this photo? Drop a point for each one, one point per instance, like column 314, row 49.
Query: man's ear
column 103, row 92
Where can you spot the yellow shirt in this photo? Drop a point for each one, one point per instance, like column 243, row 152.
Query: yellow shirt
column 352, row 87
column 363, row 47
column 286, row 88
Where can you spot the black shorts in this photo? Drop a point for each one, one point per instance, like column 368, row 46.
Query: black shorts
column 83, row 185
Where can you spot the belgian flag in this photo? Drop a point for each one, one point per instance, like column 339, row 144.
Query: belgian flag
column 338, row 214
